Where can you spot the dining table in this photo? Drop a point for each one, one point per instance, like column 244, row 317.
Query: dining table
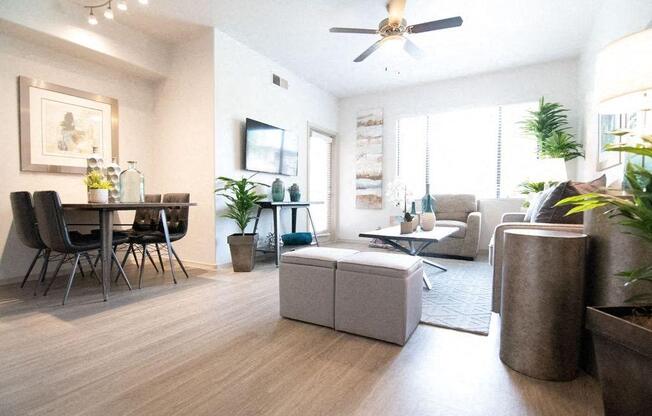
column 106, row 212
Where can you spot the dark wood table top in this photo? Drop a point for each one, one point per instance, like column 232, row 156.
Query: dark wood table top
column 394, row 233
column 270, row 204
column 126, row 206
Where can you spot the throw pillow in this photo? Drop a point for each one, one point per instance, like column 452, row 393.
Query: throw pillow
column 549, row 213
column 535, row 205
column 596, row 185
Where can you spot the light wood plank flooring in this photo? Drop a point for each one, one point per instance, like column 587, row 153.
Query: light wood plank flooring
column 215, row 345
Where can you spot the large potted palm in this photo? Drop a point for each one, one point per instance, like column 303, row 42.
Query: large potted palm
column 241, row 198
column 622, row 335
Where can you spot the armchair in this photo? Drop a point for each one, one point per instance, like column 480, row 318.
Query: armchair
column 459, row 211
column 510, row 221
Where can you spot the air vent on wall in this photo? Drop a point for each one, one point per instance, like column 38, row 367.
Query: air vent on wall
column 277, row 80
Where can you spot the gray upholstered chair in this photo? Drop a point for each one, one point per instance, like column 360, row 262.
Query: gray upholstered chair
column 511, row 221
column 459, row 211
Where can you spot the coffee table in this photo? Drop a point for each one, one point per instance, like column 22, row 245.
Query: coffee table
column 417, row 242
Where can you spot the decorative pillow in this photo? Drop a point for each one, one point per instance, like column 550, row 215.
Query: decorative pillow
column 296, row 239
column 535, row 205
column 549, row 213
column 596, row 185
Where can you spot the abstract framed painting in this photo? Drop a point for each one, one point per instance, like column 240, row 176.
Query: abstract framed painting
column 369, row 160
column 61, row 127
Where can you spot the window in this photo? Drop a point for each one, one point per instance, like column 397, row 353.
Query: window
column 480, row 151
column 319, row 180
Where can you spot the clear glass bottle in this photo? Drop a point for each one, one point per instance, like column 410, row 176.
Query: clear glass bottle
column 132, row 184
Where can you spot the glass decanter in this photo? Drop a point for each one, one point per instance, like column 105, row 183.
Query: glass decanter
column 132, row 184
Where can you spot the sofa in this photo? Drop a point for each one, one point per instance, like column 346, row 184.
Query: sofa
column 461, row 211
column 510, row 221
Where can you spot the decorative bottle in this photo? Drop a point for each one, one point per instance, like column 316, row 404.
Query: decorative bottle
column 132, row 184
column 428, row 218
column 113, row 171
column 278, row 190
column 415, row 216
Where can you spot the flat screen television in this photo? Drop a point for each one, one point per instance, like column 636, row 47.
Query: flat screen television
column 270, row 149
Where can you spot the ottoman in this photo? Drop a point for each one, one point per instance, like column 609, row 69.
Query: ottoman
column 378, row 295
column 307, row 284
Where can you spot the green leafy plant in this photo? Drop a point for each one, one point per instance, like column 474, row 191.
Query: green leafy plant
column 95, row 180
column 549, row 124
column 634, row 214
column 241, row 198
column 561, row 145
column 531, row 187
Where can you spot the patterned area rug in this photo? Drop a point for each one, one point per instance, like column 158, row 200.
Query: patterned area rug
column 460, row 298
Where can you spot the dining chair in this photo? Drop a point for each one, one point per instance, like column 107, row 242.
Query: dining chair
column 54, row 232
column 27, row 231
column 177, row 225
column 145, row 220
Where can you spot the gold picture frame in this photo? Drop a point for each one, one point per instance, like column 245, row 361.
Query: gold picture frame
column 61, row 127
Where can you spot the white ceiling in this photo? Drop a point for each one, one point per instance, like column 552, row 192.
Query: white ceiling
column 496, row 34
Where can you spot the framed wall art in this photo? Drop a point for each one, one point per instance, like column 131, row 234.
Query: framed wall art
column 369, row 160
column 61, row 127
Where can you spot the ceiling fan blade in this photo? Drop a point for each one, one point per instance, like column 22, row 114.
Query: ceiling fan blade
column 412, row 49
column 371, row 50
column 353, row 30
column 396, row 9
column 436, row 25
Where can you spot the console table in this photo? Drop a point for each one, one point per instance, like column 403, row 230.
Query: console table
column 276, row 208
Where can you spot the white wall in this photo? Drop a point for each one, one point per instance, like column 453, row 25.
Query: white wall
column 615, row 19
column 136, row 98
column 182, row 152
column 244, row 89
column 556, row 81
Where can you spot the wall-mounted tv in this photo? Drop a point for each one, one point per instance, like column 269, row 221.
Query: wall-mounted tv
column 270, row 149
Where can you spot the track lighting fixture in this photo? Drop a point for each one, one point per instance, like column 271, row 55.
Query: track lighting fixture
column 108, row 11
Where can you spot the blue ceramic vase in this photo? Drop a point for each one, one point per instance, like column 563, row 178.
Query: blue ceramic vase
column 278, row 191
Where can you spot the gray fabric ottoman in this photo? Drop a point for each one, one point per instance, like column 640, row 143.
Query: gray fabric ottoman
column 307, row 284
column 378, row 295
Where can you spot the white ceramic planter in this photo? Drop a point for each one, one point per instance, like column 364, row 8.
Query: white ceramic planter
column 98, row 196
column 428, row 221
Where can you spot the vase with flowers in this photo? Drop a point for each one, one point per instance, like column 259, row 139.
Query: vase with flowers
column 398, row 194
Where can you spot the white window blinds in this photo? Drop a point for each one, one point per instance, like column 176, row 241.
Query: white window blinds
column 319, row 180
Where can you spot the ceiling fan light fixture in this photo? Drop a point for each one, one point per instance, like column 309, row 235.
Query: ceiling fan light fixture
column 122, row 5
column 143, row 2
column 108, row 12
column 92, row 20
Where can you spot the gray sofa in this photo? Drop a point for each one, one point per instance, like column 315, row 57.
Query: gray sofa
column 512, row 221
column 459, row 211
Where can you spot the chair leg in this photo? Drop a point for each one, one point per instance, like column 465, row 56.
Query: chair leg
column 133, row 251
column 56, row 272
column 81, row 270
column 71, row 278
column 179, row 261
column 44, row 270
column 141, row 268
column 121, row 271
column 149, row 256
column 160, row 259
column 31, row 266
column 93, row 270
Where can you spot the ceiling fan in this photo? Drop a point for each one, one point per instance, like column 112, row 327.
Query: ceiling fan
column 395, row 27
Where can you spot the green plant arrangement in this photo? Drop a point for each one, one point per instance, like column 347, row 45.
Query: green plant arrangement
column 634, row 214
column 549, row 124
column 95, row 180
column 531, row 187
column 242, row 198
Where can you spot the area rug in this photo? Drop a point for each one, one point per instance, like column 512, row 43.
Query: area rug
column 460, row 298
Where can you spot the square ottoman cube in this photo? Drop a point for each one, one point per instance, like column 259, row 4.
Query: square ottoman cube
column 378, row 295
column 307, row 284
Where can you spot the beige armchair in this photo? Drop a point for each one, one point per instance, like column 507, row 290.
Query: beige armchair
column 459, row 211
column 512, row 221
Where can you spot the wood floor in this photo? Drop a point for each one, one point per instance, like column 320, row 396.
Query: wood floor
column 215, row 345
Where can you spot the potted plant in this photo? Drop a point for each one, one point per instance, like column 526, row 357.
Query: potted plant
column 98, row 187
column 622, row 335
column 397, row 193
column 549, row 124
column 241, row 198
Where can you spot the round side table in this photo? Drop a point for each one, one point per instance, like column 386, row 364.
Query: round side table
column 543, row 302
